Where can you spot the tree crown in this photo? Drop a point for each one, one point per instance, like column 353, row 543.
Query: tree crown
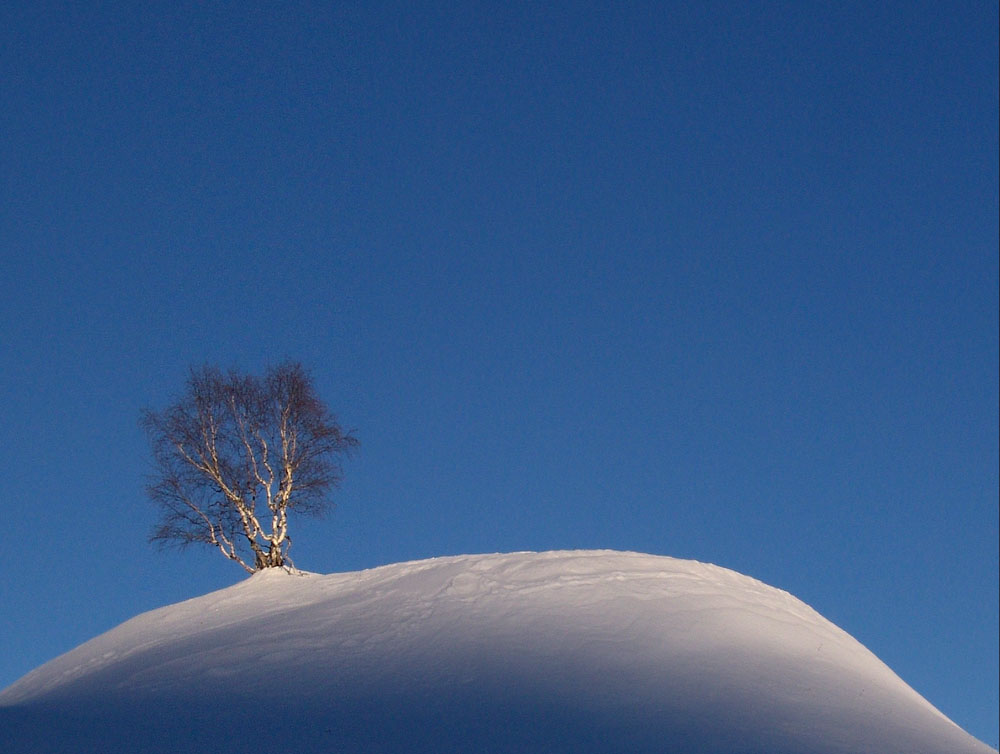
column 236, row 453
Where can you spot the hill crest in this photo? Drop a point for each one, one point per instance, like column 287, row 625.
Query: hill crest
column 586, row 651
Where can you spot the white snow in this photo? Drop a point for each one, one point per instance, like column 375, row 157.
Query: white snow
column 578, row 651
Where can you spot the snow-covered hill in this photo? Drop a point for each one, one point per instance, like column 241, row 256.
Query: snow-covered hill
column 591, row 651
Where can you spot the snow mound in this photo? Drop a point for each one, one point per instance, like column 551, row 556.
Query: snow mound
column 582, row 651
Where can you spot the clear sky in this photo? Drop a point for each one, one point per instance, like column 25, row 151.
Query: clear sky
column 715, row 280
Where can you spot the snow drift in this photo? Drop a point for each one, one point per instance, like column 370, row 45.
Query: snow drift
column 527, row 652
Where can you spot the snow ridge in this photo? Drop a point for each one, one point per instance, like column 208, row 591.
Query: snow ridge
column 582, row 651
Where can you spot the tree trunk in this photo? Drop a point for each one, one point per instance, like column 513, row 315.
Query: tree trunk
column 273, row 558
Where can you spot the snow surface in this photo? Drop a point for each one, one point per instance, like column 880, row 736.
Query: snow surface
column 578, row 651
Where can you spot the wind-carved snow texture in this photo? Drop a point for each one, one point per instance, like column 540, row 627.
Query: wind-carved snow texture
column 583, row 652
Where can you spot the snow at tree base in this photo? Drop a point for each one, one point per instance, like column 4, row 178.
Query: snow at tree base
column 591, row 651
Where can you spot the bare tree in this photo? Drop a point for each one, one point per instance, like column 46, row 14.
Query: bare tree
column 236, row 454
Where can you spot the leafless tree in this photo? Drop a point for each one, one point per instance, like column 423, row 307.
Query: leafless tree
column 236, row 454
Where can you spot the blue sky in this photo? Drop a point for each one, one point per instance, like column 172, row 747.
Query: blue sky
column 717, row 282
